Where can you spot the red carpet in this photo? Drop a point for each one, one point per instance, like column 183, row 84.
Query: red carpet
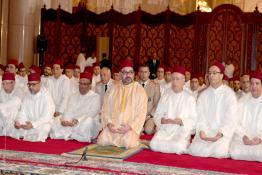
column 49, row 147
column 146, row 156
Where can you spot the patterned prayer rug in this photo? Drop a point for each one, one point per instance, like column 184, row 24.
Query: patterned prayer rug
column 37, row 163
column 95, row 151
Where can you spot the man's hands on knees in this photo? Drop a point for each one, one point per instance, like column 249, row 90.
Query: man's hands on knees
column 124, row 128
column 28, row 125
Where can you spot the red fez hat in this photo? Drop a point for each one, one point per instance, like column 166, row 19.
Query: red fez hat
column 70, row 66
column 256, row 74
column 36, row 69
column 225, row 77
column 126, row 63
column 168, row 69
column 48, row 65
column 196, row 75
column 77, row 67
column 115, row 70
column 34, row 77
column 86, row 75
column 89, row 69
column 8, row 76
column 21, row 65
column 179, row 69
column 161, row 66
column 59, row 62
column 95, row 64
column 2, row 67
column 220, row 66
column 12, row 61
column 236, row 78
column 188, row 69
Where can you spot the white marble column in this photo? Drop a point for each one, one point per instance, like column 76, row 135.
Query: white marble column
column 23, row 28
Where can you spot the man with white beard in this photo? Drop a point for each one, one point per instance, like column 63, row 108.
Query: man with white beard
column 175, row 117
column 81, row 118
column 9, row 102
column 34, row 120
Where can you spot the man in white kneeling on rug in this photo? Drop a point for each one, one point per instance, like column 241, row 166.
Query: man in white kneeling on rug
column 175, row 117
column 35, row 118
column 81, row 118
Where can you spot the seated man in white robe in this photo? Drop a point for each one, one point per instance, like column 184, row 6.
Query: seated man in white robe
column 247, row 141
column 175, row 117
column 216, row 117
column 81, row 118
column 9, row 102
column 34, row 120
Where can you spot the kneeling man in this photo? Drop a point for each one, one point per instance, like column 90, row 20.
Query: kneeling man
column 81, row 118
column 34, row 120
column 124, row 111
column 216, row 117
column 247, row 141
column 175, row 117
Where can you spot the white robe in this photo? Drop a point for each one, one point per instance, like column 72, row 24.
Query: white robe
column 162, row 84
column 74, row 85
column 81, row 61
column 216, row 112
column 9, row 105
column 84, row 108
column 250, row 124
column 95, row 80
column 90, row 61
column 172, row 138
column 38, row 109
column 60, row 90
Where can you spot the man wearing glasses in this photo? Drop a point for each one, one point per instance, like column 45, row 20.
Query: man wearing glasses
column 216, row 117
column 124, row 110
column 34, row 120
column 9, row 102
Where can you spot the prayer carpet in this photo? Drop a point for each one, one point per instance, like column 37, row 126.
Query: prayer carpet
column 95, row 151
column 145, row 157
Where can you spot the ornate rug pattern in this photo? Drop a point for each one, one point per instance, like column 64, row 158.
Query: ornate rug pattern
column 37, row 163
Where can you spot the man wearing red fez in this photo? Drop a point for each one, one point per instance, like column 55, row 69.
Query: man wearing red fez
column 216, row 117
column 245, row 86
column 34, row 120
column 105, row 84
column 96, row 75
column 153, row 93
column 168, row 77
column 77, row 72
column 9, row 102
column 116, row 74
column 161, row 78
column 69, row 72
column 21, row 78
column 60, row 88
column 124, row 110
column 81, row 118
column 175, row 117
column 247, row 141
column 194, row 86
column 12, row 65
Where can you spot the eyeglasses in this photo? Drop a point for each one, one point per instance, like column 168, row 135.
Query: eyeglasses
column 127, row 72
column 32, row 84
column 213, row 73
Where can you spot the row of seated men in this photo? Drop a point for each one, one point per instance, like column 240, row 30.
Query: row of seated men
column 222, row 125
